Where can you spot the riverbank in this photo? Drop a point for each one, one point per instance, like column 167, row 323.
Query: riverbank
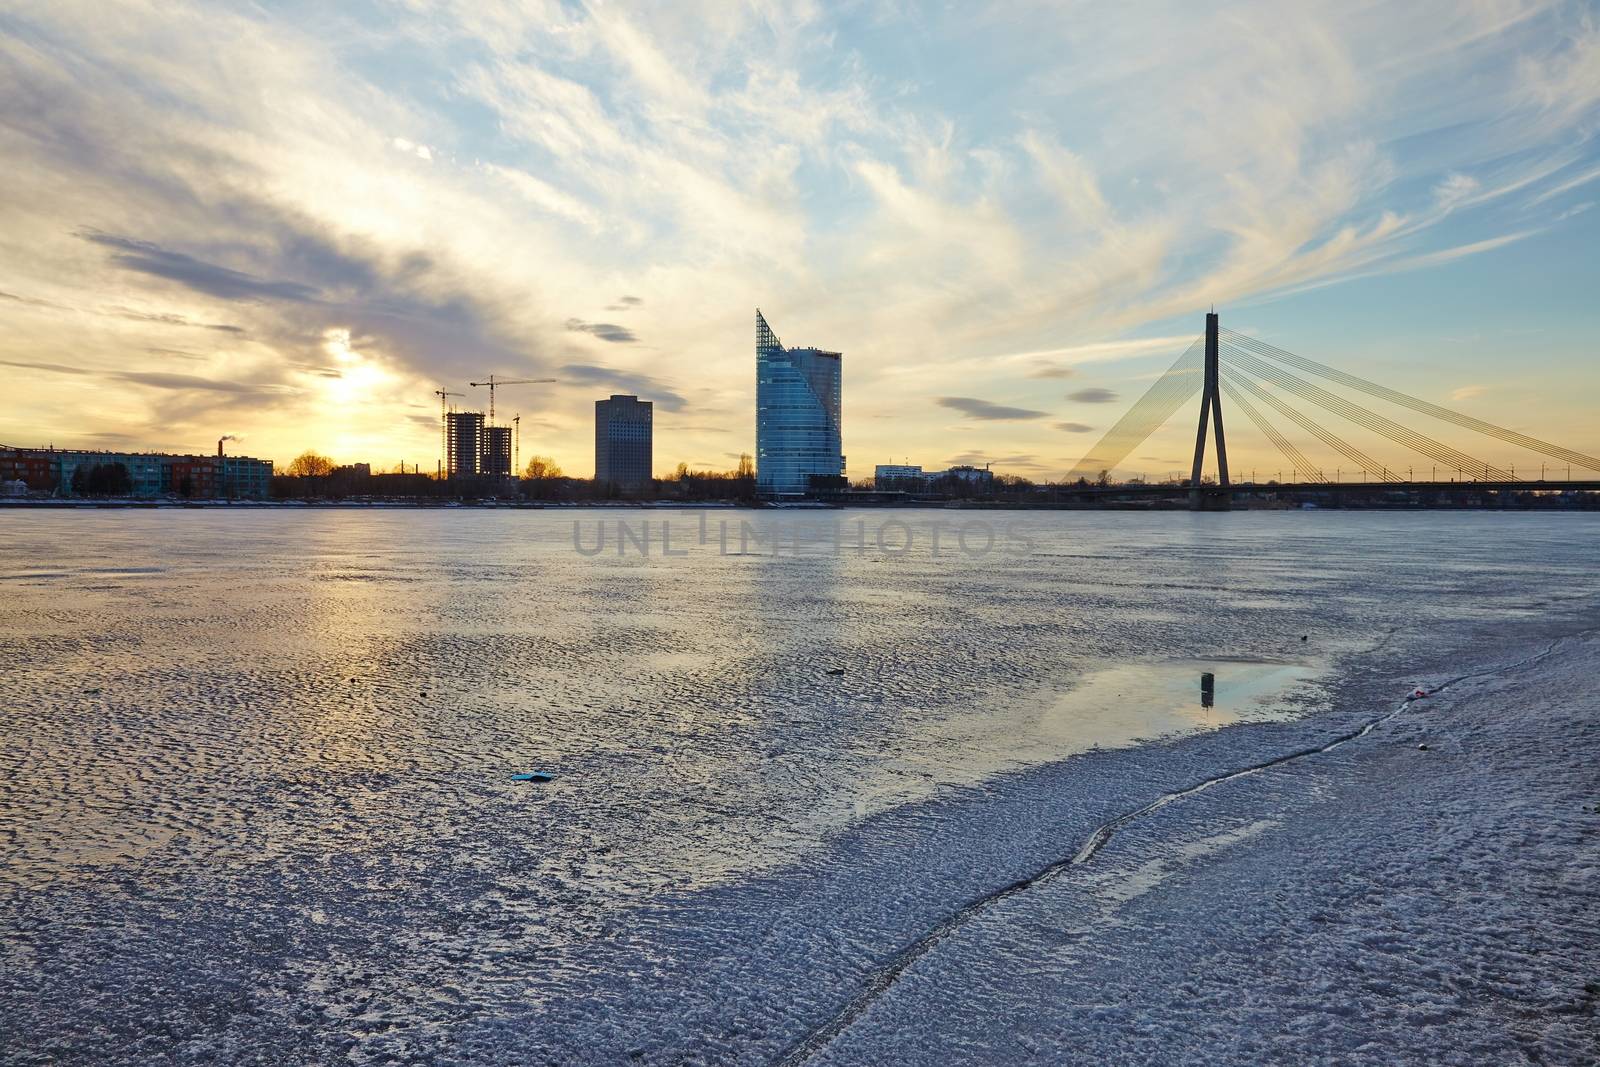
column 1429, row 892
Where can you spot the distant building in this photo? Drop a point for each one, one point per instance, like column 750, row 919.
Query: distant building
column 798, row 437
column 32, row 466
column 980, row 478
column 496, row 458
column 148, row 474
column 624, row 449
column 463, row 447
column 899, row 476
column 910, row 478
column 241, row 476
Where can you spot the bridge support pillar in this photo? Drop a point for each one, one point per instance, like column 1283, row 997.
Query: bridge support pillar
column 1208, row 498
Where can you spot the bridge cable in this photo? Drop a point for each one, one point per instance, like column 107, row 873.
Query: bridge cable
column 1242, row 359
column 1327, row 437
column 1177, row 385
column 1295, row 457
column 1533, row 444
column 1392, row 431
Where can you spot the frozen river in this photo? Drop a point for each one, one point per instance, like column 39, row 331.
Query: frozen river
column 257, row 797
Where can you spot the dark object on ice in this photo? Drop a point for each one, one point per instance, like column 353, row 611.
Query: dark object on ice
column 835, row 670
column 1424, row 748
column 531, row 776
column 1304, row 636
column 1208, row 689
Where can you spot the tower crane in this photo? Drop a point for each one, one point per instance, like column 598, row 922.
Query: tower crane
column 444, row 427
column 493, row 381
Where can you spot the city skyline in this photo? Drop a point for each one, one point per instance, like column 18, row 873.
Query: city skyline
column 1009, row 255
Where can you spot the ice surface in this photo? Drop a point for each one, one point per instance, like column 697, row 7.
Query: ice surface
column 256, row 801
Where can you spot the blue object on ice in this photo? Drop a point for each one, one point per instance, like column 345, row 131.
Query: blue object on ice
column 531, row 776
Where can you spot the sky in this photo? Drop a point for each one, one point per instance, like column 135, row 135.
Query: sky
column 292, row 222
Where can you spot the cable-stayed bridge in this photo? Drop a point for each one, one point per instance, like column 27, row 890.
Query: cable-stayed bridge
column 1275, row 390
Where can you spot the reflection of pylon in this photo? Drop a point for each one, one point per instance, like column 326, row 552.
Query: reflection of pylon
column 1210, row 407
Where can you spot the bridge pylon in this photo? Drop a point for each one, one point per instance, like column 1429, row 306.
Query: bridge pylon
column 1218, row 497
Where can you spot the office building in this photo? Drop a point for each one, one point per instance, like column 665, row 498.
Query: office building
column 623, row 441
column 798, row 440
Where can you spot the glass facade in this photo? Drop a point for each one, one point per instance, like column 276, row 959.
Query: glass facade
column 622, row 441
column 797, row 416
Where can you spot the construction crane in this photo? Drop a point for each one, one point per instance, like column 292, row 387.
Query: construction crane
column 493, row 381
column 444, row 426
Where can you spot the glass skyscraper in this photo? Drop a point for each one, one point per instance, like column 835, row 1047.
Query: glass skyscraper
column 622, row 441
column 797, row 416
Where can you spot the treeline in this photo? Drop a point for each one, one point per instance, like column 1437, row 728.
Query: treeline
column 315, row 477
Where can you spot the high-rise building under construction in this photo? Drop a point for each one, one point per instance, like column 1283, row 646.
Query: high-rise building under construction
column 496, row 456
column 464, row 440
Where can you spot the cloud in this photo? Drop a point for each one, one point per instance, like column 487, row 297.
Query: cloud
column 606, row 331
column 641, row 385
column 421, row 151
column 1455, row 189
column 155, row 379
column 985, row 459
column 1046, row 370
column 547, row 197
column 1093, row 396
column 222, row 282
column 1468, row 392
column 31, row 301
column 974, row 408
column 1073, row 427
column 1566, row 186
column 625, row 303
column 1449, row 255
column 53, row 368
column 170, row 319
column 158, row 380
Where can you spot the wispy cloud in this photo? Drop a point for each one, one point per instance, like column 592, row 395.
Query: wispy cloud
column 641, row 385
column 974, row 408
column 1093, row 396
column 209, row 278
column 606, row 331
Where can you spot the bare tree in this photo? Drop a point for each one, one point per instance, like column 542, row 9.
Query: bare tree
column 541, row 468
column 310, row 465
